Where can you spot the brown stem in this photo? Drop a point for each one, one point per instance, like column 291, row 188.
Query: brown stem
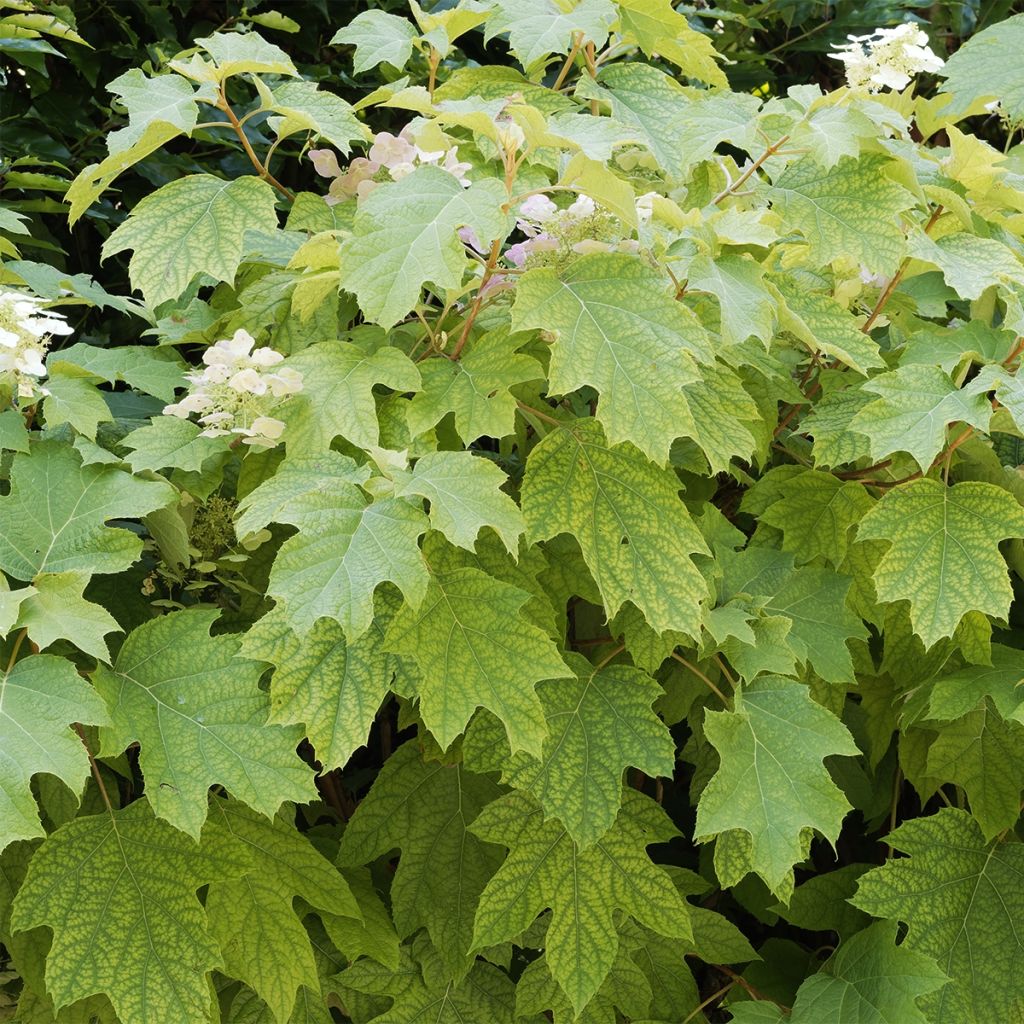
column 95, row 768
column 18, row 641
column 589, row 54
column 752, row 169
column 853, row 474
column 707, row 1002
column 577, row 42
column 608, row 657
column 702, row 677
column 261, row 170
column 896, row 278
column 540, row 415
column 489, row 268
column 1015, row 351
column 749, row 989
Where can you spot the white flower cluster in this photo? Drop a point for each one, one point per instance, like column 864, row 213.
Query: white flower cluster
column 236, row 389
column 888, row 57
column 391, row 157
column 581, row 228
column 25, row 329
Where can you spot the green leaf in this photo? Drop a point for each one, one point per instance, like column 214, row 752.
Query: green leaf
column 475, row 387
column 424, row 811
column 619, row 329
column 836, row 443
column 167, row 98
column 424, row 993
column 95, row 179
column 337, row 395
column 194, row 225
column 984, row 68
column 379, row 38
column 747, row 307
column 53, row 519
column 262, row 940
column 968, row 263
column 167, row 442
column 346, row 545
column 157, row 371
column 599, row 723
column 825, row 326
column 583, row 888
column 464, row 491
column 406, row 234
column 40, row 696
column 961, row 899
column 771, row 784
column 304, row 107
column 539, row 28
column 333, row 687
column 13, row 433
column 983, row 754
column 636, row 535
column 236, row 53
column 73, row 398
column 127, row 881
column 199, row 715
column 58, row 610
column 660, row 29
column 850, row 211
column 944, row 556
column 917, row 403
column 815, row 515
column 869, row 980
column 474, row 649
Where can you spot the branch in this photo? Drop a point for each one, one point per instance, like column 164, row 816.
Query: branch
column 745, row 176
column 261, row 170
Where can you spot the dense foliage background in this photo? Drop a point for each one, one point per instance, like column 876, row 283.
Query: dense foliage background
column 607, row 610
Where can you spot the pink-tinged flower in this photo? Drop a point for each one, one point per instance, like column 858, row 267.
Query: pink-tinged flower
column 468, row 237
column 583, row 206
column 538, row 208
column 325, row 163
column 388, row 150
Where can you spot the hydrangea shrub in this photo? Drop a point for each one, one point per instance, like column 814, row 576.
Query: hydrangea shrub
column 567, row 566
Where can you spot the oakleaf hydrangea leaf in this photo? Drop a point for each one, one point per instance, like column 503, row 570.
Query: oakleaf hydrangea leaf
column 199, row 715
column 944, row 556
column 405, row 234
column 345, row 547
column 771, row 783
column 815, row 515
column 422, row 992
column 869, row 980
column 475, row 649
column 125, row 883
column 983, row 754
column 962, row 901
column 262, row 940
column 58, row 610
column 424, row 811
column 747, row 307
column 190, row 226
column 474, row 387
column 851, row 210
column 53, row 519
column 167, row 442
column 985, row 68
column 600, row 722
column 305, row 107
column 582, row 887
column 917, row 403
column 619, row 329
column 236, row 53
column 157, row 371
column 337, row 394
column 465, row 495
column 40, row 697
column 332, row 686
column 636, row 535
column 538, row 28
column 379, row 38
column 969, row 263
column 169, row 98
